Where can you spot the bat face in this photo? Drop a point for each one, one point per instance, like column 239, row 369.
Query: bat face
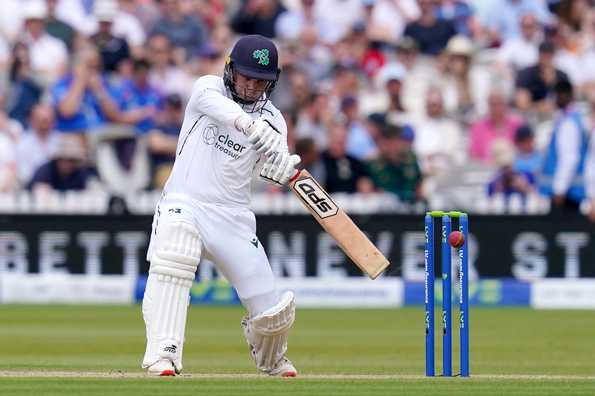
column 335, row 221
column 309, row 191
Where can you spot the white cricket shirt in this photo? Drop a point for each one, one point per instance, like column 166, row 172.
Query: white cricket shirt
column 214, row 161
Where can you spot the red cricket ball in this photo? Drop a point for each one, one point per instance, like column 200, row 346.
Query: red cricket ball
column 456, row 239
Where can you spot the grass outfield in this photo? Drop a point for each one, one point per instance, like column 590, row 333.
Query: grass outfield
column 49, row 350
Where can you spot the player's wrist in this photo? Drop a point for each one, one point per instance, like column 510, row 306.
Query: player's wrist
column 243, row 123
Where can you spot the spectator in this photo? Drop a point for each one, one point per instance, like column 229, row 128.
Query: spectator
column 430, row 33
column 359, row 142
column 438, row 142
column 8, row 125
column 122, row 24
column 370, row 56
column 346, row 81
column 257, row 17
column 396, row 169
column 417, row 72
column 460, row 14
column 8, row 158
column 24, row 92
column 574, row 38
column 210, row 60
column 307, row 150
column 464, row 82
column 293, row 91
column 57, row 28
column 386, row 19
column 114, row 50
column 163, row 139
column 164, row 75
column 38, row 145
column 520, row 52
column 314, row 120
column 528, row 159
column 406, row 53
column 212, row 12
column 509, row 181
column 351, row 12
column 66, row 171
column 137, row 99
column 590, row 178
column 561, row 177
column 48, row 54
column 82, row 97
column 292, row 25
column 498, row 124
column 374, row 124
column 502, row 18
column 4, row 55
column 535, row 84
column 390, row 79
column 184, row 31
column 344, row 173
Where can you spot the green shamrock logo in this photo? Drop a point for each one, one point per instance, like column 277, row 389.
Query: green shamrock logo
column 262, row 55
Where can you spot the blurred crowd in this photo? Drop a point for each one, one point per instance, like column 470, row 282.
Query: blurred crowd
column 401, row 96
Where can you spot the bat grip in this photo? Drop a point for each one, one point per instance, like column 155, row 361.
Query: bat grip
column 294, row 177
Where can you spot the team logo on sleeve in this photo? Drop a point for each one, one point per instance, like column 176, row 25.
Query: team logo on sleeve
column 223, row 142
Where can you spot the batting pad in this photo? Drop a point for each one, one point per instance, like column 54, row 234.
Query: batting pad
column 173, row 266
column 267, row 333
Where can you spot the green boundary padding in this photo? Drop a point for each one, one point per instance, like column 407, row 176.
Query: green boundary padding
column 452, row 213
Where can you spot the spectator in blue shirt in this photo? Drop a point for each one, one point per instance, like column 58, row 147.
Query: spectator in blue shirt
column 459, row 13
column 502, row 19
column 82, row 97
column 24, row 92
column 528, row 158
column 507, row 180
column 137, row 99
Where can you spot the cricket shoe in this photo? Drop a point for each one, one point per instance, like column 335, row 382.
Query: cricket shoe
column 162, row 368
column 283, row 369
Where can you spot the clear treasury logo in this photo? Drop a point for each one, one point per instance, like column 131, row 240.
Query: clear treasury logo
column 224, row 143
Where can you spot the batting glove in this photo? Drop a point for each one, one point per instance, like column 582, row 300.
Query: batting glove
column 264, row 137
column 280, row 167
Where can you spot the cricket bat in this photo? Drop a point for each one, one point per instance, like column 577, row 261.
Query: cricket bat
column 335, row 221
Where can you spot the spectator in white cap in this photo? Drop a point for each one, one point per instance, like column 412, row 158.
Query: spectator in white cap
column 465, row 84
column 390, row 78
column 121, row 24
column 67, row 170
column 48, row 54
column 113, row 49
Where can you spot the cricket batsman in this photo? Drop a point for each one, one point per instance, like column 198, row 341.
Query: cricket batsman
column 229, row 127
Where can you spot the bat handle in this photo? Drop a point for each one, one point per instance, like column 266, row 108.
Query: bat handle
column 295, row 177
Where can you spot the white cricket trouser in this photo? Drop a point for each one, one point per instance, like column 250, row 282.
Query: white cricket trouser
column 229, row 241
